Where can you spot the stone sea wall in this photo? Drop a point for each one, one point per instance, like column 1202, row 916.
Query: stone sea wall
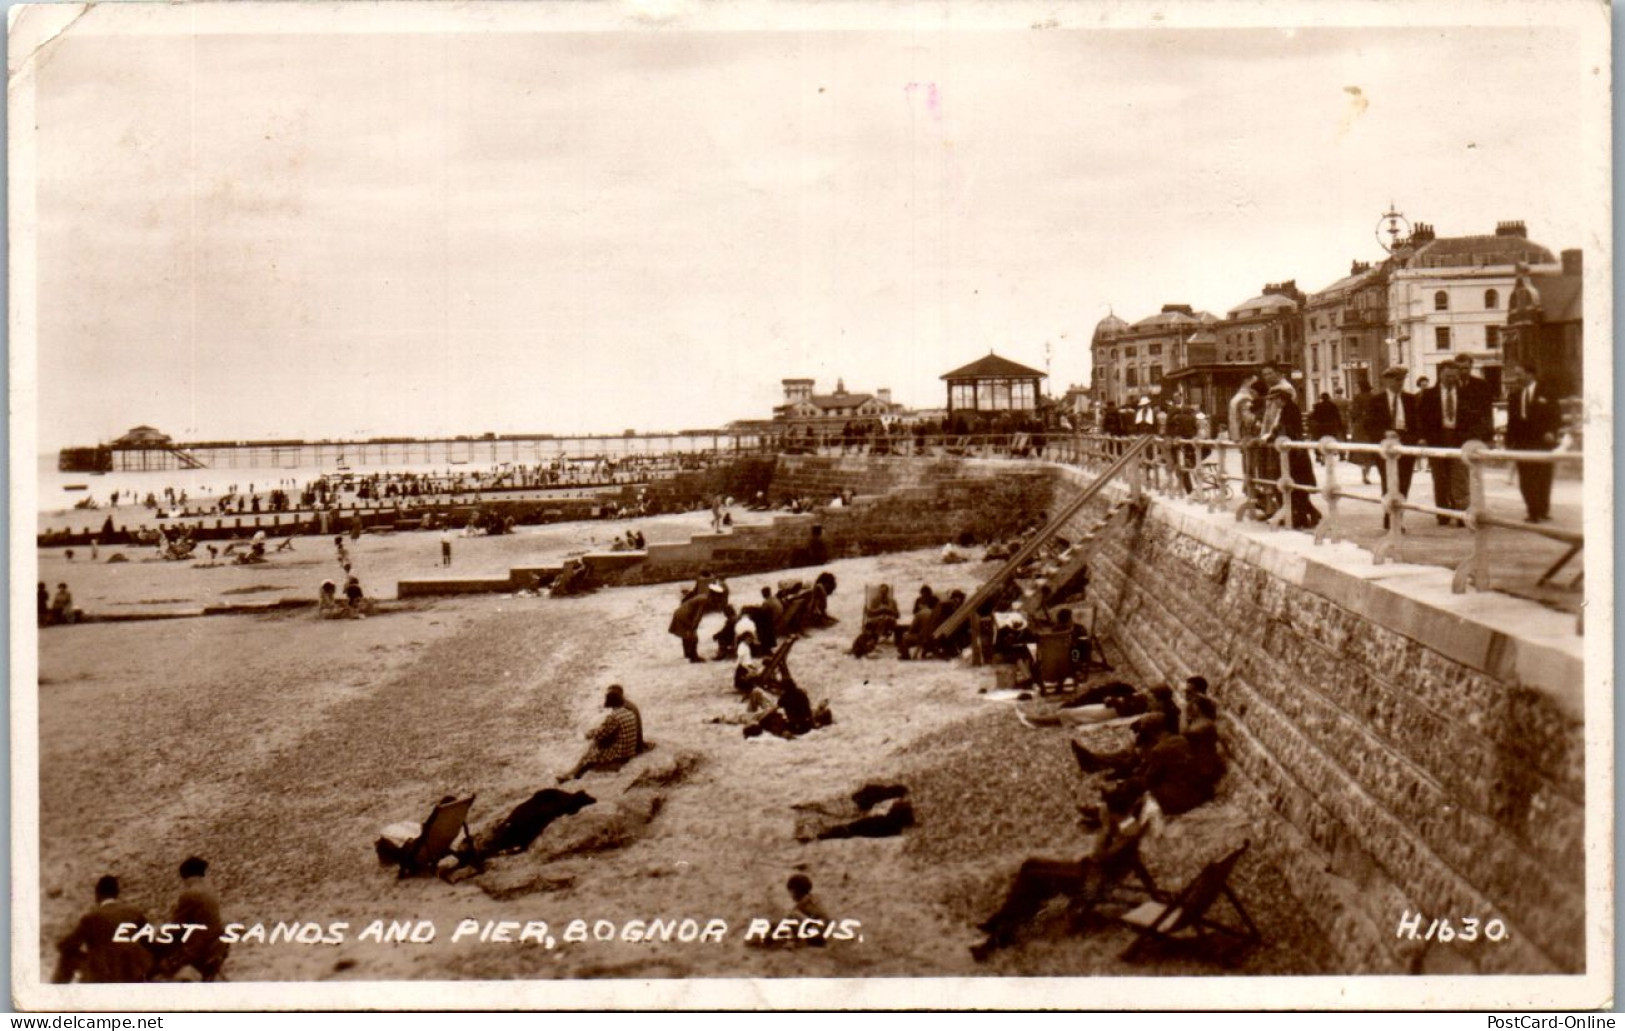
column 1400, row 757
column 901, row 504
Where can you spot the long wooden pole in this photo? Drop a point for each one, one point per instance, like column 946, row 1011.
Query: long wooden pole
column 997, row 580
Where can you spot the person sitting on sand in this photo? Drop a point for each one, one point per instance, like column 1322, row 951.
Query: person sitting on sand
column 91, row 952
column 924, row 624
column 766, row 617
column 62, row 610
column 1198, row 705
column 615, row 741
column 359, row 604
column 746, row 668
column 199, row 907
column 328, row 603
column 880, row 617
column 1112, row 833
column 793, row 716
column 726, row 636
column 1178, row 773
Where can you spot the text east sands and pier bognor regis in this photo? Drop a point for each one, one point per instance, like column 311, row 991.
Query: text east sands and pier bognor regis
column 683, row 930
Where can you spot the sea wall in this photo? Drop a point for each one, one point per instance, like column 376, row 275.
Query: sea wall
column 899, row 504
column 1404, row 750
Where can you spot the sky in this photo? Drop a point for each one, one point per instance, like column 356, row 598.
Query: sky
column 248, row 235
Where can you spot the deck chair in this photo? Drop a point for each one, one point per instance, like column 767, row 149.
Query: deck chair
column 445, row 825
column 1125, row 881
column 774, row 667
column 1053, row 666
column 1184, row 917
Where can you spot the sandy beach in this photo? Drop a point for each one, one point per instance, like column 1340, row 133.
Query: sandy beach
column 278, row 747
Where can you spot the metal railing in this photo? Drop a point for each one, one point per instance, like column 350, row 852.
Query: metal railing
column 1199, row 470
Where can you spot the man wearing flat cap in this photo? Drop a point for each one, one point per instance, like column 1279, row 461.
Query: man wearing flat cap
column 1392, row 409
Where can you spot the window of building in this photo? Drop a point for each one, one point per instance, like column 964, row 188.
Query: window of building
column 1331, row 362
column 1441, row 338
column 1022, row 394
column 1441, row 301
column 1131, row 377
column 1492, row 299
column 1155, row 350
column 995, row 394
column 1156, row 375
column 1128, row 352
column 1114, row 354
column 1314, row 359
column 964, row 395
column 1492, row 336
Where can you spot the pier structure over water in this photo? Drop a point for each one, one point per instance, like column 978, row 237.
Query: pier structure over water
column 145, row 448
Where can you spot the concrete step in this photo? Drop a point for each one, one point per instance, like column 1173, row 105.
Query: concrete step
column 442, row 585
column 523, row 578
column 610, row 560
column 249, row 607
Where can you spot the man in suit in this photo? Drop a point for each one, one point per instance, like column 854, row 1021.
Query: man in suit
column 1393, row 410
column 1533, row 421
column 198, row 906
column 89, row 949
column 1442, row 410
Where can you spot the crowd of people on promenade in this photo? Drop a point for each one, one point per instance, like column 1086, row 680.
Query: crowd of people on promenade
column 1447, row 414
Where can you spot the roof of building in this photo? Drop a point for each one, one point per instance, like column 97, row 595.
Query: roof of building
column 1202, row 336
column 1343, row 286
column 143, row 434
column 991, row 366
column 1469, row 251
column 1109, row 325
column 1263, row 302
column 1166, row 318
column 840, row 400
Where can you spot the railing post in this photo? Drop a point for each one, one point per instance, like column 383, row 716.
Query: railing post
column 1136, row 477
column 1387, row 548
column 1475, row 568
column 1213, row 490
column 1283, row 483
column 1328, row 529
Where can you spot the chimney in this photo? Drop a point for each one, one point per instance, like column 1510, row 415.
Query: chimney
column 1423, row 233
column 884, row 394
column 1571, row 261
column 1359, row 267
column 1512, row 229
column 1183, row 309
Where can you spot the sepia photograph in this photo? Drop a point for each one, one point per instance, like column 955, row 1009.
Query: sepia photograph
column 946, row 505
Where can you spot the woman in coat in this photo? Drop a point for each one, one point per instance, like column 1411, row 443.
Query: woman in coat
column 1283, row 418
